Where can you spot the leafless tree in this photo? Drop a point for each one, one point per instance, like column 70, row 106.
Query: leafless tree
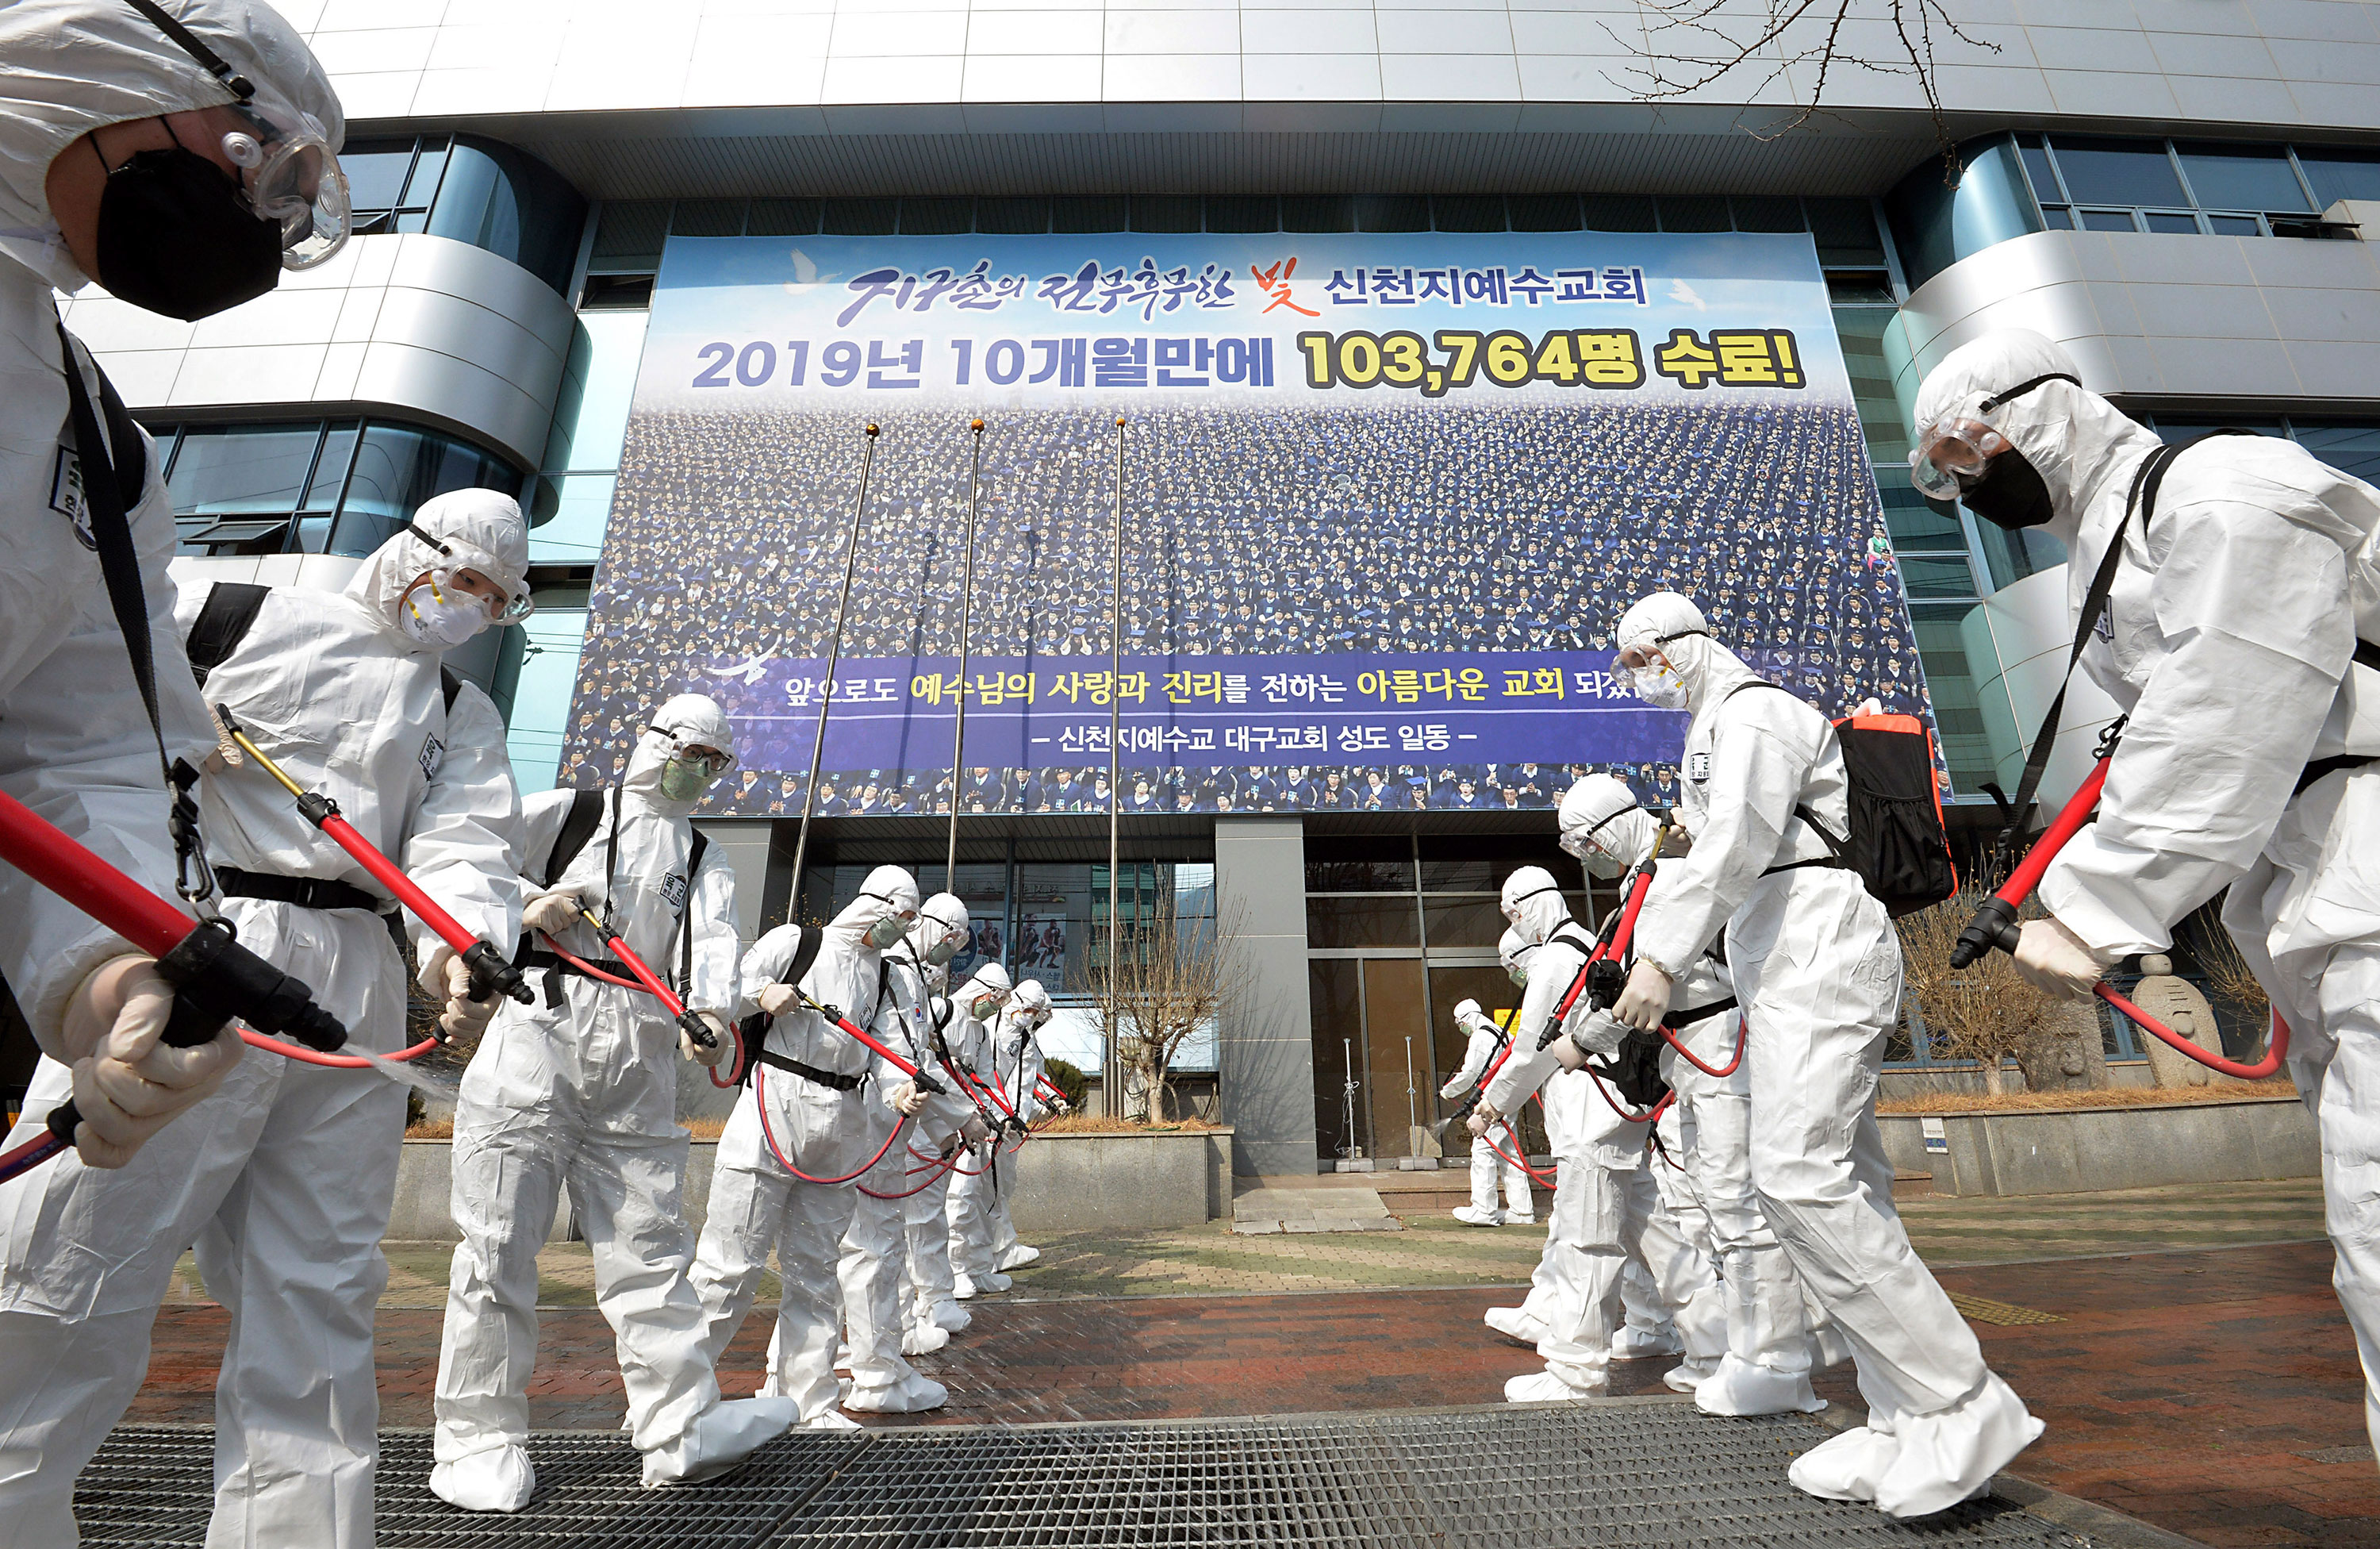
column 1985, row 1011
column 2228, row 973
column 1175, row 978
column 1684, row 46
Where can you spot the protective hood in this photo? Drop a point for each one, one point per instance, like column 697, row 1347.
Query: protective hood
column 1030, row 1000
column 82, row 65
column 482, row 529
column 1601, row 809
column 2076, row 440
column 1533, row 902
column 1467, row 1014
column 1513, row 951
column 887, row 886
column 1666, row 619
column 991, row 977
column 688, row 718
column 941, row 919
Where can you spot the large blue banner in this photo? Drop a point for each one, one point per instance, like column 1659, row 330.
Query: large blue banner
column 1382, row 500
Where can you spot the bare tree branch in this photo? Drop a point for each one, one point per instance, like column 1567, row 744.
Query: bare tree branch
column 1688, row 46
column 1174, row 980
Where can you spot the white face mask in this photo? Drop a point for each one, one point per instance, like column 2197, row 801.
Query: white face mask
column 442, row 620
column 982, row 1007
column 1658, row 687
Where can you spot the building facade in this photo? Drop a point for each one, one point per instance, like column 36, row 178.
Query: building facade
column 2178, row 190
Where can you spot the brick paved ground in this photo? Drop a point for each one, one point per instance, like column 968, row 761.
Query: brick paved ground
column 2186, row 1387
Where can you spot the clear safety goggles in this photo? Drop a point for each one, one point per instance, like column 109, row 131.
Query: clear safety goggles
column 710, row 760
column 1580, row 844
column 514, row 604
column 289, row 175
column 1958, row 446
column 985, row 1004
column 1637, row 657
column 893, row 910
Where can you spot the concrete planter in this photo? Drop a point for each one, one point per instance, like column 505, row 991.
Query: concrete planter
column 2075, row 1150
column 1063, row 1183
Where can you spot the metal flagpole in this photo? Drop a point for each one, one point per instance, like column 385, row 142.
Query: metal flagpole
column 1112, row 1082
column 834, row 659
column 966, row 616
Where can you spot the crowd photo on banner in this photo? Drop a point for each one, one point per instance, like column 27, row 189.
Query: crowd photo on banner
column 267, row 867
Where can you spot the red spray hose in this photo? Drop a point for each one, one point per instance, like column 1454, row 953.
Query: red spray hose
column 1742, row 1035
column 216, row 978
column 1994, row 925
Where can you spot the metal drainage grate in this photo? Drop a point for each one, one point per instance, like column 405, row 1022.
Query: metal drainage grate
column 1651, row 1474
column 2007, row 1314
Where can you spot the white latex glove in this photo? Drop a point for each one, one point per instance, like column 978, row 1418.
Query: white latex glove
column 444, row 977
column 552, row 912
column 2053, row 959
column 127, row 1084
column 1647, row 999
column 909, row 1100
column 777, row 999
column 1482, row 1118
column 1061, row 1106
column 1567, row 1055
column 1450, row 1092
column 722, row 1042
column 974, row 1132
column 1597, row 1033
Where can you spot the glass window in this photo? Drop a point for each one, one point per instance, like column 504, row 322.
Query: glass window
column 2183, row 429
column 1358, row 921
column 1756, row 213
column 2011, row 556
column 2338, row 175
column 862, row 217
column 237, row 470
column 428, row 167
column 1542, row 211
column 2057, row 217
column 1861, row 331
column 2118, row 171
column 1932, row 576
column 1322, row 213
column 2347, row 446
column 513, row 205
column 1167, row 213
column 1243, row 215
column 376, row 171
column 1916, row 523
column 1475, row 922
column 2241, row 177
column 936, row 217
column 2108, row 220
column 1392, row 212
column 782, row 217
column 708, row 217
column 1619, row 213
column 1846, row 232
column 2235, row 225
column 1358, row 866
column 396, row 468
column 1468, row 212
column 1012, row 217
column 1681, row 212
column 2035, row 154
column 629, row 234
column 1089, row 214
column 2171, row 221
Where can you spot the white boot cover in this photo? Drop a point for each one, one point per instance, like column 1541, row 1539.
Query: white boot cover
column 910, row 1395
column 1746, row 1387
column 1514, row 1323
column 721, row 1439
column 1541, row 1387
column 1946, row 1456
column 499, row 1479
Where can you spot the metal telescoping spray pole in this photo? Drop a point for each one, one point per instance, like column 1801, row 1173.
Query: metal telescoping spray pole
column 1113, row 1089
column 966, row 617
column 834, row 659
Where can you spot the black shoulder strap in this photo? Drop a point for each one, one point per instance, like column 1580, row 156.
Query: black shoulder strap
column 806, row 952
column 223, row 621
column 114, row 470
column 2143, row 497
column 448, row 684
column 578, row 827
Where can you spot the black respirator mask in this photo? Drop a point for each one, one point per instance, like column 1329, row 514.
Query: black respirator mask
column 2009, row 494
column 174, row 236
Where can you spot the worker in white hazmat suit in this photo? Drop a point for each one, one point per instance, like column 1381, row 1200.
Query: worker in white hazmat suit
column 1604, row 1197
column 2238, row 635
column 1764, row 1366
column 1018, row 1063
column 1495, row 1152
column 580, row 1088
column 94, row 88
column 806, row 1108
column 1817, row 970
column 875, row 1246
column 960, row 1038
column 284, row 1179
column 978, row 1211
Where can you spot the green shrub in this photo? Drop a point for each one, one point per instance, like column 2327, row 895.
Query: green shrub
column 1068, row 1080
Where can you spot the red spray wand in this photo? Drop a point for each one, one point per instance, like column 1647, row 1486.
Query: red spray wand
column 689, row 1023
column 215, row 977
column 491, row 971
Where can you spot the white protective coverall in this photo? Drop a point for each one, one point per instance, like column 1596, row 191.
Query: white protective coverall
column 284, row 1179
column 76, row 745
column 581, row 1088
column 2229, row 640
column 982, row 1238
column 961, row 1042
column 1765, row 1366
column 1487, row 1168
column 875, row 1246
column 1605, row 1195
column 1817, row 968
column 823, row 1127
